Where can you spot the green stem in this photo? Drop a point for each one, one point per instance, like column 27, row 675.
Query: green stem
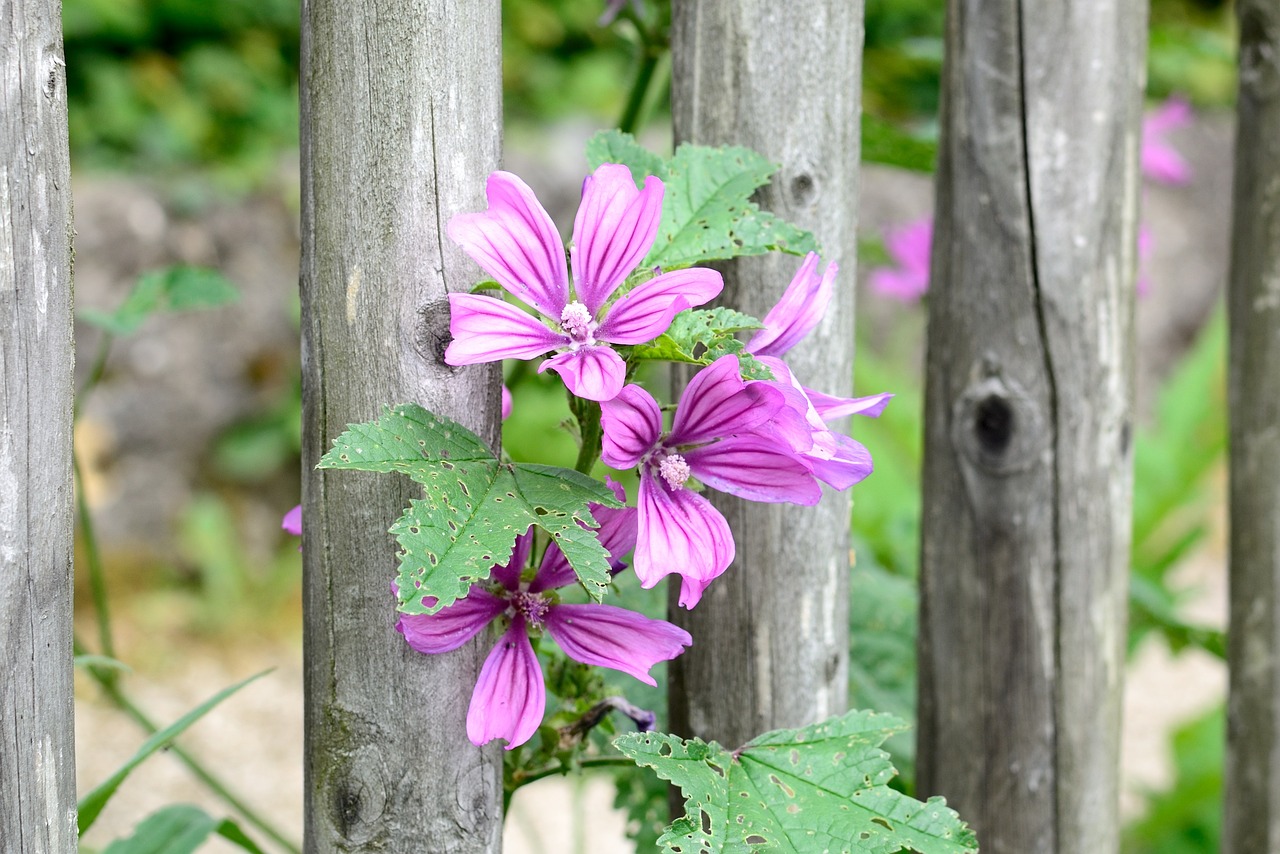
column 525, row 778
column 121, row 700
column 630, row 120
column 97, row 578
column 588, row 415
column 95, row 373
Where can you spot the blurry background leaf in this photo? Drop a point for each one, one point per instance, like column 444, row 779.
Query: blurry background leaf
column 179, row 829
column 177, row 288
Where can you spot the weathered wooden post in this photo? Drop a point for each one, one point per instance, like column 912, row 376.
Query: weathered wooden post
column 1027, row 466
column 37, row 734
column 771, row 646
column 1252, row 818
column 401, row 123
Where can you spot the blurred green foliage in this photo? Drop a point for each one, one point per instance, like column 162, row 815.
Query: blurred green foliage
column 158, row 86
column 1186, row 817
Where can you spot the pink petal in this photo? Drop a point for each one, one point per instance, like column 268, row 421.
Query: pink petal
column 509, row 697
column 896, row 284
column 631, row 423
column 292, row 521
column 485, row 329
column 594, row 373
column 615, row 227
column 508, row 574
column 646, row 312
column 608, row 636
column 909, row 245
column 830, row 408
column 451, row 626
column 506, row 403
column 717, row 403
column 838, row 461
column 516, row 242
column 679, row 532
column 691, row 590
column 1173, row 114
column 755, row 470
column 802, row 305
column 1163, row 164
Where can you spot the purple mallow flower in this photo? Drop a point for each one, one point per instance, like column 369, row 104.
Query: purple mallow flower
column 509, row 698
column 908, row 246
column 1161, row 162
column 515, row 242
column 717, row 437
column 835, row 459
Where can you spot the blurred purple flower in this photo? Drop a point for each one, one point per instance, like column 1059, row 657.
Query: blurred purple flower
column 506, row 403
column 712, row 438
column 292, row 521
column 509, row 698
column 909, row 247
column 1161, row 162
column 515, row 242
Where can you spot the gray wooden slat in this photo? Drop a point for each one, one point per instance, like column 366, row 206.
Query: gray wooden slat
column 771, row 634
column 401, row 124
column 37, row 744
column 1252, row 816
column 1028, row 468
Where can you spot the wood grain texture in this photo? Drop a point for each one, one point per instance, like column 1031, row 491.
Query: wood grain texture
column 771, row 635
column 401, row 125
column 1252, row 817
column 1027, row 468
column 37, row 735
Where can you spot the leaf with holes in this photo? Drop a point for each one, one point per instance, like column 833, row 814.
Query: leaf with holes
column 707, row 212
column 820, row 788
column 475, row 505
column 700, row 336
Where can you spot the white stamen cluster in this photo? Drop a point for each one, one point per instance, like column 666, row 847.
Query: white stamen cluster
column 674, row 470
column 576, row 321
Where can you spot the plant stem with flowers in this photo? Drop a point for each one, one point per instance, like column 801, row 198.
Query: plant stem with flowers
column 472, row 551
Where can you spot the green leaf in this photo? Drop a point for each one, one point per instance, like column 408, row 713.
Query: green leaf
column 614, row 146
column 707, row 212
column 179, row 829
column 91, row 805
column 171, row 289
column 475, row 505
column 104, row 661
column 700, row 336
column 883, row 143
column 820, row 788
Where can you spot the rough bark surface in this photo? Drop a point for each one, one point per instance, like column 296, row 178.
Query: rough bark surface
column 771, row 635
column 1027, row 470
column 401, row 124
column 37, row 736
column 1252, row 818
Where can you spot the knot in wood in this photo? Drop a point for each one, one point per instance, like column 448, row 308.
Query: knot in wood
column 357, row 796
column 431, row 333
column 997, row 427
column 803, row 189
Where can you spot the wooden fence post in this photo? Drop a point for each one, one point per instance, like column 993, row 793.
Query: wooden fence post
column 1027, row 466
column 37, row 734
column 401, row 124
column 1252, row 817
column 771, row 634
